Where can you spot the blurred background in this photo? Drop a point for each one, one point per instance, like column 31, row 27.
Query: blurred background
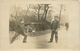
column 40, row 15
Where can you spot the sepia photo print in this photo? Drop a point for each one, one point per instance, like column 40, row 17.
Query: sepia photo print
column 39, row 25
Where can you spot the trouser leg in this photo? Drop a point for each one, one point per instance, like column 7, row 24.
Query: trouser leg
column 56, row 37
column 12, row 40
column 52, row 35
column 25, row 37
column 67, row 28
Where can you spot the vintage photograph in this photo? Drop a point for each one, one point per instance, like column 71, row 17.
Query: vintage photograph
column 39, row 26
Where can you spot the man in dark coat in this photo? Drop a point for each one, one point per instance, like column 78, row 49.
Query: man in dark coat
column 19, row 30
column 54, row 28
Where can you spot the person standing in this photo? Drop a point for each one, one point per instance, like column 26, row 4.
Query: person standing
column 19, row 30
column 67, row 25
column 54, row 28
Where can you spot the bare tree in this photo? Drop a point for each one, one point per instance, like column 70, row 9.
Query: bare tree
column 16, row 12
column 28, row 7
column 37, row 9
column 61, row 7
column 46, row 7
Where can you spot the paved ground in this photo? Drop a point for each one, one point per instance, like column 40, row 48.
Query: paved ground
column 41, row 42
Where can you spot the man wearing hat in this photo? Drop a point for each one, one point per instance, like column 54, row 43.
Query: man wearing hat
column 54, row 28
column 19, row 30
